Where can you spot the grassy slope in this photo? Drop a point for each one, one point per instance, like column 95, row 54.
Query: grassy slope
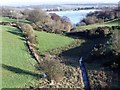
column 17, row 63
column 110, row 23
column 6, row 19
column 48, row 41
column 17, row 68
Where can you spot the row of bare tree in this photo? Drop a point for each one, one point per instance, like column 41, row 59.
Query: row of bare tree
column 40, row 19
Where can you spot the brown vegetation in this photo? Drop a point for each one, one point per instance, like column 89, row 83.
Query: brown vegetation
column 29, row 33
column 30, row 40
column 52, row 68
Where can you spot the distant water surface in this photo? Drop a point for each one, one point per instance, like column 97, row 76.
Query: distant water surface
column 74, row 16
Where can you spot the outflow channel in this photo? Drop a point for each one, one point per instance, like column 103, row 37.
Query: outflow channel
column 84, row 74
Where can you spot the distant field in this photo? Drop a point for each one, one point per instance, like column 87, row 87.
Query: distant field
column 17, row 64
column 49, row 41
column 6, row 19
column 110, row 23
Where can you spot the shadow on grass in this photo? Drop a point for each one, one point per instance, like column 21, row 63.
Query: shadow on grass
column 16, row 32
column 20, row 71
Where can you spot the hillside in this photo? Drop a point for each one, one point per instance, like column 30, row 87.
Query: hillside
column 109, row 23
column 49, row 41
column 17, row 64
column 6, row 19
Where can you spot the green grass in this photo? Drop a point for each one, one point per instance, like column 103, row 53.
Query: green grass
column 7, row 19
column 115, row 22
column 109, row 23
column 49, row 41
column 17, row 64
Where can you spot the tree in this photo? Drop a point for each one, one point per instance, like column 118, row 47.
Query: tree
column 11, row 13
column 38, row 17
column 90, row 20
column 55, row 17
column 66, row 19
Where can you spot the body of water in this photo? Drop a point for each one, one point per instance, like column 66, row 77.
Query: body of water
column 74, row 16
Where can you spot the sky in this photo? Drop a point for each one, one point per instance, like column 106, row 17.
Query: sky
column 33, row 2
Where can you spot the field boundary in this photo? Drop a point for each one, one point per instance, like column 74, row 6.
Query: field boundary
column 32, row 50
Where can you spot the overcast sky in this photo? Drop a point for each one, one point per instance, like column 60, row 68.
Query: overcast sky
column 30, row 2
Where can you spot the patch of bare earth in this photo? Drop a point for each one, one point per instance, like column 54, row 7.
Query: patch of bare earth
column 103, row 79
column 72, row 78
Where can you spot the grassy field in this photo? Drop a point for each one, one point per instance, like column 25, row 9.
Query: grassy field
column 6, row 19
column 110, row 23
column 17, row 64
column 49, row 41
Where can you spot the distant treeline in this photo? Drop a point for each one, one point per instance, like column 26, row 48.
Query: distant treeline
column 74, row 9
column 101, row 16
column 40, row 19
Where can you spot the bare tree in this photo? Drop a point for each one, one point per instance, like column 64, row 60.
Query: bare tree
column 39, row 17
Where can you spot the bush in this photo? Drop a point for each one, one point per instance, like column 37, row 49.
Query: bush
column 90, row 20
column 53, row 69
column 32, row 38
column 29, row 33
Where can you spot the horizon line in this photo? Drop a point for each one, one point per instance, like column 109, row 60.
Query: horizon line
column 58, row 4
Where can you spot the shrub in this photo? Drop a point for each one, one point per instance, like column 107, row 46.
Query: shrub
column 29, row 33
column 32, row 38
column 53, row 69
column 90, row 20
